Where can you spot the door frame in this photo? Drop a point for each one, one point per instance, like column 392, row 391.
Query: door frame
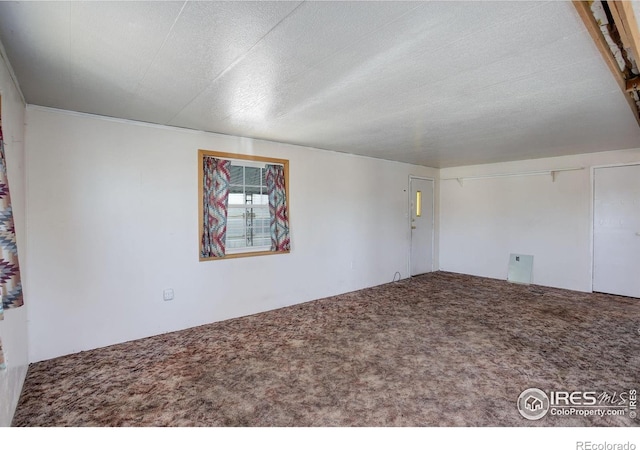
column 592, row 207
column 433, row 219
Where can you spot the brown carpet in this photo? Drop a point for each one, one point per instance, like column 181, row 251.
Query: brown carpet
column 437, row 350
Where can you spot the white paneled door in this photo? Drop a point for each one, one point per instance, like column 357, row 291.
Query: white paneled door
column 421, row 204
column 616, row 231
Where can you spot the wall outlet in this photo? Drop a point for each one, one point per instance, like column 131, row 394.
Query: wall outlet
column 167, row 294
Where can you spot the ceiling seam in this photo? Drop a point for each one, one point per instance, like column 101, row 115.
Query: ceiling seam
column 235, row 62
column 328, row 57
column 155, row 57
column 323, row 61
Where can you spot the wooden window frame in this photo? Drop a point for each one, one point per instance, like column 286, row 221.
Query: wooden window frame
column 238, row 157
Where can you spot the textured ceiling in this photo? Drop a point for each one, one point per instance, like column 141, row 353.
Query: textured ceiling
column 433, row 83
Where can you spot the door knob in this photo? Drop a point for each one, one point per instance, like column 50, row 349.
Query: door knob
column 413, row 227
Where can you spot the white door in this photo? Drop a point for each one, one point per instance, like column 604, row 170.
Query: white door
column 421, row 204
column 616, row 231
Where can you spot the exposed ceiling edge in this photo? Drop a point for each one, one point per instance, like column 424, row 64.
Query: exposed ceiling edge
column 627, row 25
column 618, row 39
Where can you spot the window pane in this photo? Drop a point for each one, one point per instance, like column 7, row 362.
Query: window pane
column 252, row 176
column 260, row 199
column 236, row 199
column 261, row 238
column 261, row 221
column 252, row 195
column 264, row 180
column 235, row 213
column 236, row 175
column 235, row 243
column 235, row 226
column 258, row 230
column 248, row 227
column 263, row 242
column 262, row 213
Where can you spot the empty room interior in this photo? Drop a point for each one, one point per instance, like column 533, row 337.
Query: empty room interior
column 310, row 214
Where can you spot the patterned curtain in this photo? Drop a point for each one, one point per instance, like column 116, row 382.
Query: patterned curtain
column 216, row 178
column 278, row 208
column 10, row 284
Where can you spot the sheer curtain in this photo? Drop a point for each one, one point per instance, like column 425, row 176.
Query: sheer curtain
column 279, row 223
column 216, row 177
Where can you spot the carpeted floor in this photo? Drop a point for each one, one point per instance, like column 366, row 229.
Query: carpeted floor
column 437, row 350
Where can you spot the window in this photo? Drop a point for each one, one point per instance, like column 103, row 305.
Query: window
column 248, row 214
column 243, row 205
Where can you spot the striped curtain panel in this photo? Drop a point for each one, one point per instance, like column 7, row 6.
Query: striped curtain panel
column 278, row 208
column 216, row 178
column 10, row 284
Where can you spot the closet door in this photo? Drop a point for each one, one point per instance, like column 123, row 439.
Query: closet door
column 616, row 231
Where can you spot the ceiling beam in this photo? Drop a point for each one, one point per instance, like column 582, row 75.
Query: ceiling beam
column 584, row 11
column 627, row 25
column 613, row 8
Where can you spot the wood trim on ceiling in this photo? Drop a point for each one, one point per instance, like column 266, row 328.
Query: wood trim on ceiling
column 584, row 11
column 627, row 25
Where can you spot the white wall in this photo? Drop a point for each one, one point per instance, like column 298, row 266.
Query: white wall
column 485, row 220
column 112, row 221
column 112, row 214
column 13, row 329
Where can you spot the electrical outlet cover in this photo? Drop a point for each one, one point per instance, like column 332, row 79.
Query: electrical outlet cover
column 520, row 268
